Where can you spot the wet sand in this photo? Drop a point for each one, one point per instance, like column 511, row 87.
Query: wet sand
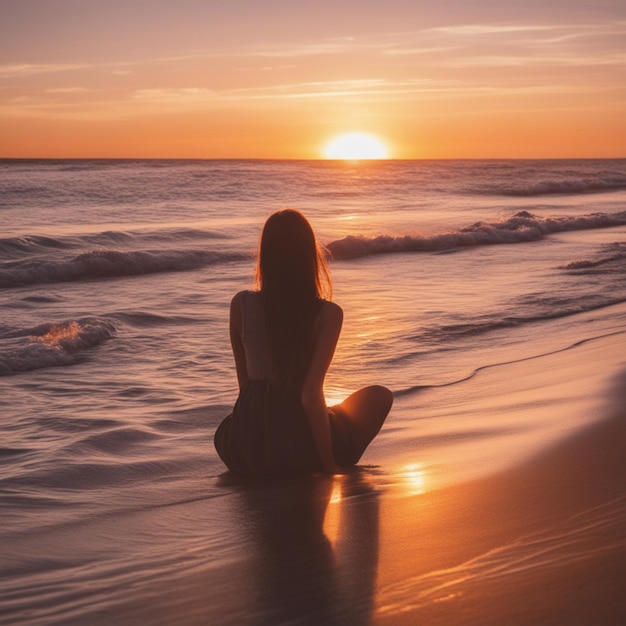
column 541, row 543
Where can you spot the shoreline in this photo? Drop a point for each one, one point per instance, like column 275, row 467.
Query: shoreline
column 501, row 415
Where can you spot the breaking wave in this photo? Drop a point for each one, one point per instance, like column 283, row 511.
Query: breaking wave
column 51, row 344
column 522, row 227
column 107, row 263
column 608, row 183
column 38, row 244
column 613, row 260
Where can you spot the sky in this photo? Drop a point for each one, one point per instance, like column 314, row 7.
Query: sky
column 280, row 78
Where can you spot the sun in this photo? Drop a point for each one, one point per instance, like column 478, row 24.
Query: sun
column 356, row 147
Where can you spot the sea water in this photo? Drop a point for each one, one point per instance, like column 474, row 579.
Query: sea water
column 115, row 283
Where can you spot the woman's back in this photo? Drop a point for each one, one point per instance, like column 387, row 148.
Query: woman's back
column 254, row 336
column 267, row 434
column 252, row 329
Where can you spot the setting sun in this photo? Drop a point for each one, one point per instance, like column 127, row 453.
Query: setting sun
column 355, row 147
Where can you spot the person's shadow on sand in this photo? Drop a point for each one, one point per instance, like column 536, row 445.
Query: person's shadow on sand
column 302, row 574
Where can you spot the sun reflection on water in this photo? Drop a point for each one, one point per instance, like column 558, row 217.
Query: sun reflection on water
column 334, row 396
column 57, row 334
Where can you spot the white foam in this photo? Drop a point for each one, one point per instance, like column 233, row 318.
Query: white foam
column 522, row 227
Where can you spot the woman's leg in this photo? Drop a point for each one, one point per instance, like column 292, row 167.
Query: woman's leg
column 366, row 410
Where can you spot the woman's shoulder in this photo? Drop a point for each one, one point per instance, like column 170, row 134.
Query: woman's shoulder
column 240, row 296
column 331, row 311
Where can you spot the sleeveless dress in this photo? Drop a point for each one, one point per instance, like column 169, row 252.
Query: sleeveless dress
column 267, row 435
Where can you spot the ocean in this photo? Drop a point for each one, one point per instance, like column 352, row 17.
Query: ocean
column 115, row 366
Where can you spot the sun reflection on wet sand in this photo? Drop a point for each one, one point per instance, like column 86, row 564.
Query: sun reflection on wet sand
column 333, row 512
column 413, row 479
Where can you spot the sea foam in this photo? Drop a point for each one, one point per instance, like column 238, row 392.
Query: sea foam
column 51, row 344
column 522, row 227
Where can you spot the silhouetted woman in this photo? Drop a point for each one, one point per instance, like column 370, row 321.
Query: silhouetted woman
column 283, row 338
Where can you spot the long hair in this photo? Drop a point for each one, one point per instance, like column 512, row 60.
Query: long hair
column 293, row 278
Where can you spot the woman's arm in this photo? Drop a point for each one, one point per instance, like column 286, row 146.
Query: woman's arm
column 236, row 314
column 327, row 333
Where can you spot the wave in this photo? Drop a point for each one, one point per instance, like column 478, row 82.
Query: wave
column 550, row 309
column 520, row 228
column 38, row 244
column 608, row 183
column 142, row 319
column 52, row 344
column 108, row 263
column 613, row 261
column 99, row 473
column 417, row 388
column 118, row 441
column 31, row 244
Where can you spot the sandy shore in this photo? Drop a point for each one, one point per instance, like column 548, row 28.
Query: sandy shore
column 542, row 543
column 537, row 536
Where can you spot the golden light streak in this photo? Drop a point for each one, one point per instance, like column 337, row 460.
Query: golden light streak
column 414, row 479
column 333, row 512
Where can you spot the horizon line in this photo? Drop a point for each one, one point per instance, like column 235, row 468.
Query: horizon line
column 312, row 159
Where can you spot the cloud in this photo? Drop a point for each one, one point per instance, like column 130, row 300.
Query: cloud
column 432, row 64
column 425, row 50
column 186, row 97
column 487, row 29
column 317, row 88
column 543, row 60
column 331, row 46
column 27, row 69
column 385, row 89
column 67, row 90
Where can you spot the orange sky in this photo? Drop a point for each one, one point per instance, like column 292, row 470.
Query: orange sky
column 277, row 78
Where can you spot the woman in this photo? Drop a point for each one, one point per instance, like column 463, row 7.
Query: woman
column 283, row 338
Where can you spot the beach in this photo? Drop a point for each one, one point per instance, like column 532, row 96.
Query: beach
column 541, row 542
column 494, row 307
column 534, row 541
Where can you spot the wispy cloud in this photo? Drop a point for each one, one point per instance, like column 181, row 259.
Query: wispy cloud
column 391, row 89
column 336, row 45
column 543, row 60
column 410, row 66
column 315, row 89
column 67, row 90
column 16, row 70
column 193, row 99
column 169, row 95
column 487, row 29
column 419, row 50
